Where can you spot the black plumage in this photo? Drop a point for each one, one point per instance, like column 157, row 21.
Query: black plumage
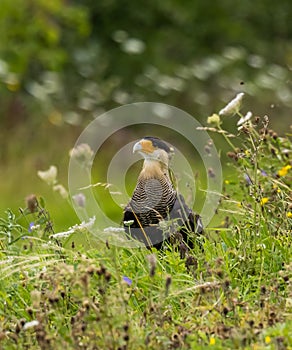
column 155, row 200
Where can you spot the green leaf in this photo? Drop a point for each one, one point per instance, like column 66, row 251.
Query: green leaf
column 42, row 202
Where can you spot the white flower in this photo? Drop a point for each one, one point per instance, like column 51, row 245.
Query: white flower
column 128, row 222
column 74, row 228
column 83, row 154
column 49, row 176
column 30, row 324
column 34, row 227
column 85, row 224
column 233, row 106
column 114, row 229
column 61, row 189
column 244, row 120
column 63, row 234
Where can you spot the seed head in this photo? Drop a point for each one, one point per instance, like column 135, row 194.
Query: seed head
column 167, row 284
column 31, row 203
column 211, row 173
column 152, row 262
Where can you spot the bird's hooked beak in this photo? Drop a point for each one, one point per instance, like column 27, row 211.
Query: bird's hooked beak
column 144, row 147
column 137, row 147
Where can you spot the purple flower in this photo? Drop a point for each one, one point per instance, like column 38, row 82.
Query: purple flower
column 247, row 179
column 263, row 173
column 127, row 280
column 79, row 199
column 31, row 225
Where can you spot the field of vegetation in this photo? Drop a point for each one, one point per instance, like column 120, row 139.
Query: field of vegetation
column 62, row 64
column 232, row 291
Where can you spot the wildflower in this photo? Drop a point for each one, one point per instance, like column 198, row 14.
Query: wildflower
column 30, row 324
column 227, row 182
column 127, row 280
column 49, row 176
column 284, row 171
column 128, row 222
column 212, row 341
column 83, row 154
column 268, row 339
column 84, row 225
column 214, row 119
column 264, row 200
column 62, row 234
column 233, row 106
column 243, row 120
column 31, row 203
column 79, row 199
column 33, row 227
column 276, row 189
column 114, row 229
column 289, row 215
column 247, row 179
column 61, row 189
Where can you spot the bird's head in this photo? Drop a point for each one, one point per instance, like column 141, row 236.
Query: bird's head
column 154, row 149
column 157, row 155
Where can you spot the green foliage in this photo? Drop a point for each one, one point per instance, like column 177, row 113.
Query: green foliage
column 75, row 59
column 36, row 218
column 61, row 63
column 67, row 290
column 35, row 35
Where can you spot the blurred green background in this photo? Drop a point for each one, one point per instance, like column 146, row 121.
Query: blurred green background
column 63, row 62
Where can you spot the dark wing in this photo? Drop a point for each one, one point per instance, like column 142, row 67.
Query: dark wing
column 188, row 221
column 151, row 236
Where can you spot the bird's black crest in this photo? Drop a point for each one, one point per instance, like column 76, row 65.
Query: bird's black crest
column 158, row 143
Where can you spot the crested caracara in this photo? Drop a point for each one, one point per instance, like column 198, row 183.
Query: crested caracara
column 155, row 200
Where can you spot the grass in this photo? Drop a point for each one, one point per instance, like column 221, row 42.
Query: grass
column 234, row 294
